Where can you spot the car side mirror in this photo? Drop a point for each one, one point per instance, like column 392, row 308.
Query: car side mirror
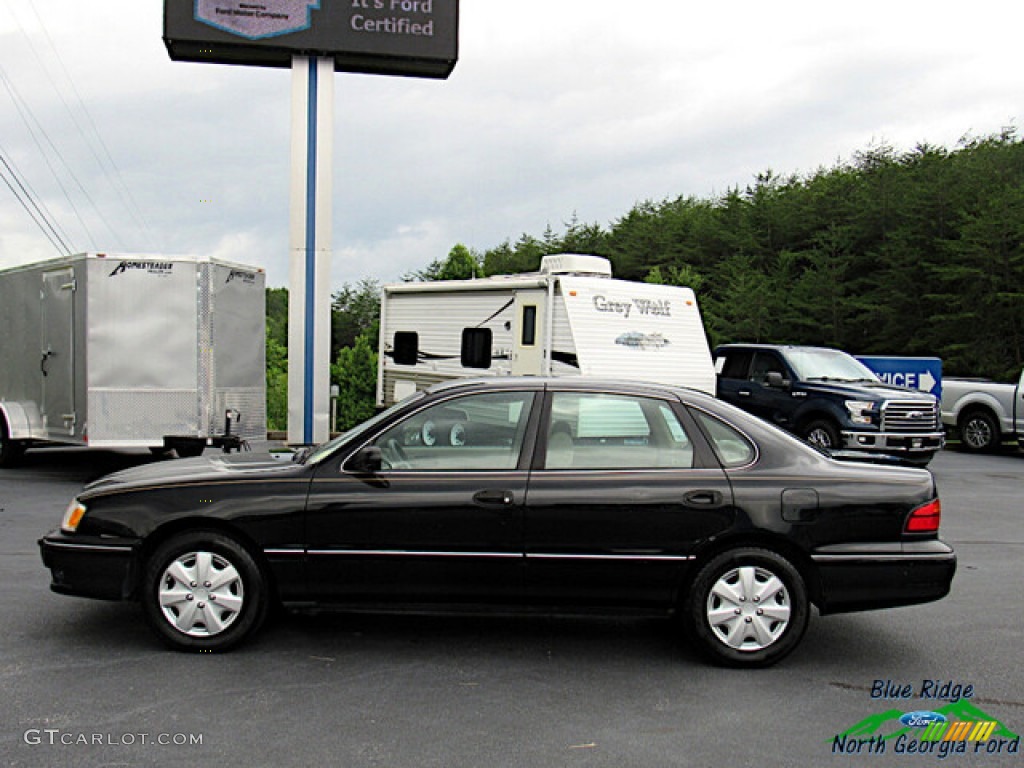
column 368, row 460
column 774, row 380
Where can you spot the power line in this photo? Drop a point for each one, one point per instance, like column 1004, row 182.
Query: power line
column 111, row 170
column 28, row 118
column 26, row 199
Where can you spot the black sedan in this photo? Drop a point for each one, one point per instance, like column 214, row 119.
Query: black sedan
column 559, row 495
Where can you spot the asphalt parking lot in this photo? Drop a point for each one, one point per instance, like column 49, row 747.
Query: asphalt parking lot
column 85, row 683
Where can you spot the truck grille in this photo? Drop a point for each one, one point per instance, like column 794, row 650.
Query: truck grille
column 910, row 416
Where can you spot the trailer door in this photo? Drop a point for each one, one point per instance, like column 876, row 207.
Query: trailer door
column 529, row 333
column 57, row 356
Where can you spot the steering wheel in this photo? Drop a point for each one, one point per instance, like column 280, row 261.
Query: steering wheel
column 395, row 454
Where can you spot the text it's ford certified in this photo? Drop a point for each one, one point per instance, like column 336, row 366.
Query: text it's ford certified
column 559, row 495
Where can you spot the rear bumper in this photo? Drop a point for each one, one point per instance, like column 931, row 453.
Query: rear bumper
column 90, row 566
column 868, row 576
column 901, row 442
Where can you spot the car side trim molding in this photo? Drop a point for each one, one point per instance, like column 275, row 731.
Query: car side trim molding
column 410, row 553
column 867, row 556
column 626, row 556
column 492, row 555
column 90, row 547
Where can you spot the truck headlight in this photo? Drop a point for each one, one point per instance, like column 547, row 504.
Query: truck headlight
column 862, row 411
column 72, row 516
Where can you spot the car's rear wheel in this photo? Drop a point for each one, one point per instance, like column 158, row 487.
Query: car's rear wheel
column 748, row 607
column 203, row 591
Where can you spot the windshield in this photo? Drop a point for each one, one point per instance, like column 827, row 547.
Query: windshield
column 325, row 449
column 828, row 365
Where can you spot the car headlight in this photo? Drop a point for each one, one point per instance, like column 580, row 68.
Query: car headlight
column 72, row 516
column 862, row 411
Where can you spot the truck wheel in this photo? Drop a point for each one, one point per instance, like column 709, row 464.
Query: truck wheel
column 821, row 433
column 979, row 431
column 748, row 607
column 202, row 591
column 11, row 451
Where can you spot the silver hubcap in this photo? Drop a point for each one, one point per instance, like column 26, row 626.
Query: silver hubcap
column 748, row 608
column 820, row 438
column 977, row 433
column 201, row 594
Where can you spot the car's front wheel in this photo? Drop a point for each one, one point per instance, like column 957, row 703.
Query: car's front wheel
column 822, row 433
column 202, row 591
column 748, row 607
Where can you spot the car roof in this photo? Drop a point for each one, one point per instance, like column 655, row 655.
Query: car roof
column 743, row 345
column 569, row 384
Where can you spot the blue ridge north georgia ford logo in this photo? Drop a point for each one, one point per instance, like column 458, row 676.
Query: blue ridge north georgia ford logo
column 256, row 19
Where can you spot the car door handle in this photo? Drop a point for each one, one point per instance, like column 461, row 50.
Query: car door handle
column 744, row 393
column 703, row 499
column 493, row 497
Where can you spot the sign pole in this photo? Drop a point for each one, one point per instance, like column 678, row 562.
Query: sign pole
column 309, row 297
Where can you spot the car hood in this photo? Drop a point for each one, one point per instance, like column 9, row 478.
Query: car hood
column 202, row 469
column 873, row 390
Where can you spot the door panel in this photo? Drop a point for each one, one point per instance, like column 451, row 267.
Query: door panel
column 441, row 522
column 619, row 502
column 529, row 333
column 57, row 353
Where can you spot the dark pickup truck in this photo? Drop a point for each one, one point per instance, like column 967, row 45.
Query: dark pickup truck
column 830, row 399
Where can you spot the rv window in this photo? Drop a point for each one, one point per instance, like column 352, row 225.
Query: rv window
column 407, row 347
column 476, row 347
column 529, row 335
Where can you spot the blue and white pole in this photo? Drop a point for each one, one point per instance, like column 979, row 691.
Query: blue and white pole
column 309, row 295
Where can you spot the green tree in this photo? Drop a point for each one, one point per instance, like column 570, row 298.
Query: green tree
column 355, row 373
column 355, row 310
column 461, row 264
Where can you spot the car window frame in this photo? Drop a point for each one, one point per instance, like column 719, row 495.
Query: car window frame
column 526, row 449
column 704, row 457
column 710, row 443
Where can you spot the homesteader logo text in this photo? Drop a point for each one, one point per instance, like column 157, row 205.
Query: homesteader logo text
column 153, row 267
column 955, row 728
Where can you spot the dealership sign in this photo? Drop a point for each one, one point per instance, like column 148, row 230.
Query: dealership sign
column 921, row 373
column 417, row 38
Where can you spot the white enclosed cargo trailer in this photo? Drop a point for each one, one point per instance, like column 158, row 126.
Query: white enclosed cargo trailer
column 124, row 351
column 571, row 318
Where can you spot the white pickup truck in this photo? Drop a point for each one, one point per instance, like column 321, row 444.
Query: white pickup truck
column 983, row 412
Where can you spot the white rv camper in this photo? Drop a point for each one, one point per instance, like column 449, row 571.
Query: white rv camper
column 117, row 351
column 569, row 319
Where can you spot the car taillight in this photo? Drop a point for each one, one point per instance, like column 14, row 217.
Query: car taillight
column 924, row 519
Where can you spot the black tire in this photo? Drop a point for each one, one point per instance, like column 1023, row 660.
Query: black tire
column 11, row 451
column 979, row 431
column 822, row 433
column 186, row 448
column 210, row 626
column 756, row 641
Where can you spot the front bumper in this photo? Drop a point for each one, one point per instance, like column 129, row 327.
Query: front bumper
column 860, row 577
column 896, row 442
column 90, row 566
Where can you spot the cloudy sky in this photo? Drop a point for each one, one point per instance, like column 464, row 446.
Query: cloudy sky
column 556, row 108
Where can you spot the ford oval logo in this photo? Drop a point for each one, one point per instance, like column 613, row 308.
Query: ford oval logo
column 922, row 718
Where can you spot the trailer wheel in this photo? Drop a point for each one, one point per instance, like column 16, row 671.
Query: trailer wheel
column 185, row 448
column 11, row 451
